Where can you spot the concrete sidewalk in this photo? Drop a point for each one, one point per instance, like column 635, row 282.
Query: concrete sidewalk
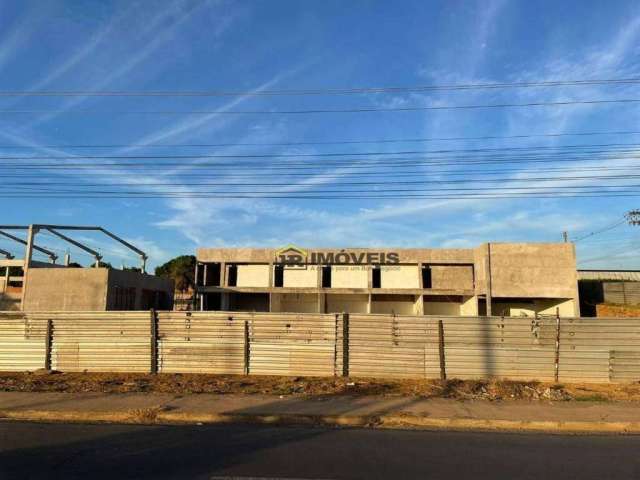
column 373, row 411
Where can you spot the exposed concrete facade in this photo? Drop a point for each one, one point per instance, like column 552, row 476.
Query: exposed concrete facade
column 94, row 289
column 519, row 279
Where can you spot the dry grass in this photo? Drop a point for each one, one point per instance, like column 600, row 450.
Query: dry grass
column 181, row 384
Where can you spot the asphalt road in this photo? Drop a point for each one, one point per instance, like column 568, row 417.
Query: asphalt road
column 32, row 450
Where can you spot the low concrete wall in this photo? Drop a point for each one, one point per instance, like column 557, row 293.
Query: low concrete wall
column 66, row 289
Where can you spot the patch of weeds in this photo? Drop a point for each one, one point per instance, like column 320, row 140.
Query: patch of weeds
column 591, row 398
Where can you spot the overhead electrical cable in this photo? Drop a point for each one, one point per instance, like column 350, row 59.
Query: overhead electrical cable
column 316, row 91
column 318, row 142
column 317, row 110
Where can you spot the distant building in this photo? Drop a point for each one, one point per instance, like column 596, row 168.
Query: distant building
column 47, row 287
column 616, row 287
column 511, row 279
column 32, row 285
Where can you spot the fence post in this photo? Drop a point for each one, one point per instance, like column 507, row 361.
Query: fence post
column 443, row 370
column 47, row 345
column 153, row 317
column 345, row 344
column 335, row 346
column 557, row 359
column 247, row 351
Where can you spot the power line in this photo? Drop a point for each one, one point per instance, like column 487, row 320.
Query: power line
column 385, row 173
column 351, row 183
column 613, row 254
column 605, row 229
column 315, row 91
column 600, row 147
column 318, row 111
column 395, row 163
column 342, row 196
column 329, row 142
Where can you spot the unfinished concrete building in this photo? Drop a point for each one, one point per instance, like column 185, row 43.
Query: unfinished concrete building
column 42, row 286
column 510, row 279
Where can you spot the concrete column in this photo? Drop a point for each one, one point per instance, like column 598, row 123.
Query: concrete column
column 487, row 274
column 223, row 274
column 275, row 302
column 419, row 305
column 322, row 303
column 6, row 279
column 224, row 301
column 28, row 255
column 204, row 275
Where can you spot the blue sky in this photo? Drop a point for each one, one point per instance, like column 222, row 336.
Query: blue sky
column 253, row 46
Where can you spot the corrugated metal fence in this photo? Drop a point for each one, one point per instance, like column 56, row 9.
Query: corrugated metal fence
column 544, row 348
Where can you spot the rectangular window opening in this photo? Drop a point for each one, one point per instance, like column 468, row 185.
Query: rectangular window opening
column 232, row 280
column 326, row 276
column 426, row 276
column 213, row 274
column 376, row 280
column 278, row 276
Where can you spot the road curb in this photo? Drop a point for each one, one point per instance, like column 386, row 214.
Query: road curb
column 160, row 417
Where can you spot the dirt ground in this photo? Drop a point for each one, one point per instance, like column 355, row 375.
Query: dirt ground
column 181, row 384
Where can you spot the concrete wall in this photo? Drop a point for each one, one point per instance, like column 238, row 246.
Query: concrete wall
column 469, row 306
column 138, row 281
column 68, row 289
column 533, row 270
column 531, row 307
column 441, row 308
column 399, row 276
column 353, row 276
column 349, row 303
column 294, row 302
column 406, row 255
column 253, row 275
column 452, row 277
column 394, row 304
column 301, row 277
column 249, row 302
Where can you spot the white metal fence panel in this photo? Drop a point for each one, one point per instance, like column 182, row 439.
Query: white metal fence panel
column 392, row 346
column 22, row 342
column 100, row 341
column 292, row 344
column 599, row 349
column 201, row 342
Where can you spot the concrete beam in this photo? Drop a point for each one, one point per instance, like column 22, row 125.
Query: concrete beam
column 51, row 255
column 81, row 246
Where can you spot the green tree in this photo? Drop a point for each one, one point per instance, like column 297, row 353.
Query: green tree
column 181, row 269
